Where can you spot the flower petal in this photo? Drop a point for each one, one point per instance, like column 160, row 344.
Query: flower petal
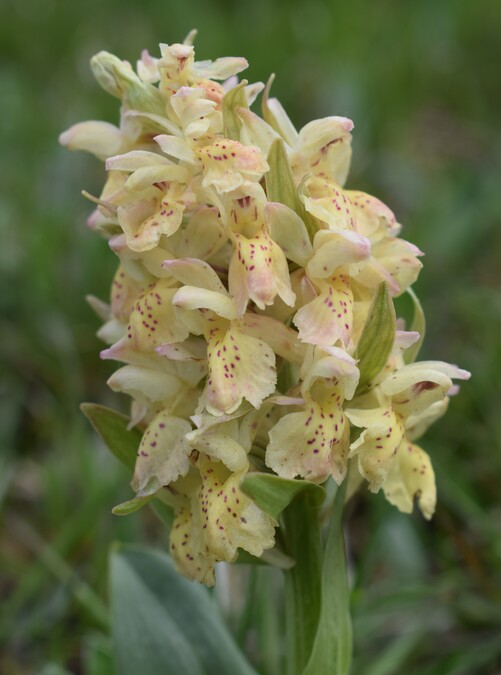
column 325, row 200
column 188, row 548
column 258, row 271
column 289, row 232
column 324, row 148
column 99, row 138
column 231, row 520
column 313, row 443
column 419, row 385
column 377, row 446
column 163, row 454
column 374, row 219
column 176, row 147
column 220, row 443
column 226, row 164
column 411, row 477
column 240, row 367
column 329, row 317
column 333, row 249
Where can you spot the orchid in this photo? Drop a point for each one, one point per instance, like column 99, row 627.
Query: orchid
column 252, row 310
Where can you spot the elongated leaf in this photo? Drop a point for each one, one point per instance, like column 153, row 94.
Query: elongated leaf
column 418, row 324
column 280, row 185
column 112, row 428
column 232, row 101
column 377, row 337
column 273, row 494
column 164, row 624
column 333, row 641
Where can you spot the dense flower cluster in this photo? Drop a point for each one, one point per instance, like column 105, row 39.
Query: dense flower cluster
column 246, row 278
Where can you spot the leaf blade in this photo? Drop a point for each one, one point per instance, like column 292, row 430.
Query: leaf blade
column 164, row 624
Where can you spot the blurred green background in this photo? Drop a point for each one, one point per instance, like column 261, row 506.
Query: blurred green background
column 421, row 82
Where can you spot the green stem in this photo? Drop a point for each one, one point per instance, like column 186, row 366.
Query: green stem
column 303, row 581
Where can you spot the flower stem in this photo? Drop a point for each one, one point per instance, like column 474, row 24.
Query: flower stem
column 303, row 581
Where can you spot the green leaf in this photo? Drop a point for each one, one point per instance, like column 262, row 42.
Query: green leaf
column 112, row 428
column 333, row 641
column 232, row 101
column 280, row 185
column 163, row 624
column 273, row 494
column 130, row 506
column 419, row 324
column 377, row 337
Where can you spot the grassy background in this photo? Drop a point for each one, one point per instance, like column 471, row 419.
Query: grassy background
column 419, row 81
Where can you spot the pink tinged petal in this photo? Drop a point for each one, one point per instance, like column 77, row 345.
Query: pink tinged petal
column 324, row 148
column 374, row 219
column 134, row 160
column 289, row 231
column 226, row 164
column 188, row 548
column 230, row 519
column 176, row 147
column 377, row 445
column 193, row 297
column 325, row 200
column 334, row 249
column 404, row 340
column 99, row 138
column 411, row 477
column 313, row 443
column 195, row 272
column 163, row 454
column 221, row 68
column 282, row 339
column 329, row 317
column 240, row 367
column 258, row 271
